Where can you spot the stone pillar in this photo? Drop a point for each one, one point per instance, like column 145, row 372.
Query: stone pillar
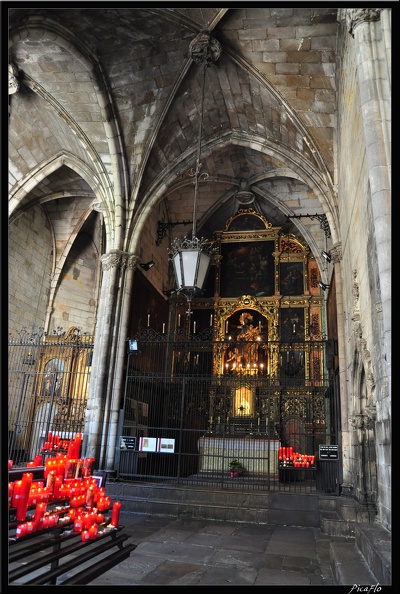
column 344, row 435
column 375, row 93
column 103, row 367
column 370, row 29
column 120, row 347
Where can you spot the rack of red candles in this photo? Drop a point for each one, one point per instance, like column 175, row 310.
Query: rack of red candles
column 67, row 495
column 287, row 458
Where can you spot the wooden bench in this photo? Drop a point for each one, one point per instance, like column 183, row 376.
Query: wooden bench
column 57, row 556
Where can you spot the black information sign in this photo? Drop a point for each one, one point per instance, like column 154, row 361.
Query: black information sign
column 329, row 452
column 127, row 442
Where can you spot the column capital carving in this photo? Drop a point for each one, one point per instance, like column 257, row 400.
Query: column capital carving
column 336, row 253
column 357, row 16
column 118, row 259
column 362, row 421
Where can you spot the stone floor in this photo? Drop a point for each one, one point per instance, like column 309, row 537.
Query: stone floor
column 178, row 551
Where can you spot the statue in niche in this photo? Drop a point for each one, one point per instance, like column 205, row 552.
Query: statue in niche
column 249, row 335
column 243, row 354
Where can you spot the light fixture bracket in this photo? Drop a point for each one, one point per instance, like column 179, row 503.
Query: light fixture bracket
column 323, row 285
column 322, row 218
column 147, row 265
column 326, row 256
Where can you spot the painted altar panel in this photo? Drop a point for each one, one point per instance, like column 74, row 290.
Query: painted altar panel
column 291, row 278
column 247, row 269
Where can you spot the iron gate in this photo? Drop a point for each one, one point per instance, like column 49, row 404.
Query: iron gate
column 180, row 421
column 48, row 385
column 183, row 423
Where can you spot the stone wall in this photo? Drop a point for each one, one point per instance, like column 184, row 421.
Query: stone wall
column 30, row 247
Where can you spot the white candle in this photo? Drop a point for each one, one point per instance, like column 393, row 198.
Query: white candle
column 211, row 320
column 179, row 320
column 259, row 326
column 226, row 327
column 148, row 320
column 163, row 328
column 194, row 327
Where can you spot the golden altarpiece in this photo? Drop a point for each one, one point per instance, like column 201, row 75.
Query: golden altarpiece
column 268, row 359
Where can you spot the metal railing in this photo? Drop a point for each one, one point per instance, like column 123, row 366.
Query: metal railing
column 187, row 414
column 48, row 384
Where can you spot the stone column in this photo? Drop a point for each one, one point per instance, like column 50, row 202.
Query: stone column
column 375, row 92
column 102, row 377
column 370, row 29
column 120, row 350
column 344, row 433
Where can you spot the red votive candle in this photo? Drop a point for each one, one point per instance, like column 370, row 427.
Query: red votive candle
column 45, row 522
column 30, row 527
column 50, row 481
column 115, row 514
column 39, row 512
column 77, row 444
column 16, row 493
column 78, row 470
column 10, row 493
column 90, row 497
column 78, row 524
column 87, row 467
column 21, row 530
column 57, row 485
column 93, row 531
column 70, row 468
column 72, row 513
column 22, row 504
column 99, row 518
column 85, row 535
column 87, row 521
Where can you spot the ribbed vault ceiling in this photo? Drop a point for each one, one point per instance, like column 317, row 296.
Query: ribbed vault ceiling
column 109, row 102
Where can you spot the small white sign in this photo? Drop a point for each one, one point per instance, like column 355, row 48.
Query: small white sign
column 166, row 446
column 148, row 444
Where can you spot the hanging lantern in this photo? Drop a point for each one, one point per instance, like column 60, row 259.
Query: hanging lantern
column 192, row 257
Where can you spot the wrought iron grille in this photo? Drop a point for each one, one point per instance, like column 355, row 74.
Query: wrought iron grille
column 48, row 385
column 184, row 422
column 181, row 422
